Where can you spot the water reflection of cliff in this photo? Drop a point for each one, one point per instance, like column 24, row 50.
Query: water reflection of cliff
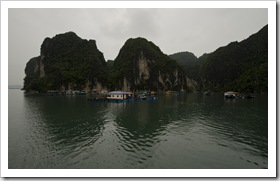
column 144, row 126
column 63, row 128
column 181, row 131
column 238, row 127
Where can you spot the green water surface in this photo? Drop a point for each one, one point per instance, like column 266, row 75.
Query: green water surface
column 181, row 131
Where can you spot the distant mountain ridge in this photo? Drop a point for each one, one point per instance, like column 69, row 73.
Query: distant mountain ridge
column 239, row 66
column 189, row 62
column 15, row 86
column 68, row 62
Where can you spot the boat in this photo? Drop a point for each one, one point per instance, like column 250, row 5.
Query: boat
column 169, row 92
column 142, row 94
column 232, row 95
column 122, row 96
column 115, row 96
column 146, row 95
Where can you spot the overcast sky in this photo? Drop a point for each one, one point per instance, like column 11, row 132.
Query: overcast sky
column 174, row 30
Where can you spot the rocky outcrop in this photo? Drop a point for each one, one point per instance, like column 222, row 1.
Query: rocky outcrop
column 126, row 86
column 66, row 62
column 143, row 66
column 42, row 67
column 192, row 85
column 239, row 66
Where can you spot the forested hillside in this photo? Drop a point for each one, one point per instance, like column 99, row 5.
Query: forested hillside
column 239, row 66
column 141, row 64
column 68, row 62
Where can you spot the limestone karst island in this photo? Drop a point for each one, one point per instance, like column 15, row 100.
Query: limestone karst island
column 70, row 64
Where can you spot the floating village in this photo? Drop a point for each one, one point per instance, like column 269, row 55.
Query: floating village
column 129, row 96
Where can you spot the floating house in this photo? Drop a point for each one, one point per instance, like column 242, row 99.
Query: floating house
column 119, row 95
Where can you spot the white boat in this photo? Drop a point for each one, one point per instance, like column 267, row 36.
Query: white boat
column 232, row 94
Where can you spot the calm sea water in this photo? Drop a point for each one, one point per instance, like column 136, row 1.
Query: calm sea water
column 183, row 131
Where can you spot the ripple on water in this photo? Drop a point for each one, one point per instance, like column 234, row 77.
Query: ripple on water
column 173, row 132
column 138, row 147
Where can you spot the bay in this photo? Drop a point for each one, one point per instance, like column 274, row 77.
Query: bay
column 188, row 131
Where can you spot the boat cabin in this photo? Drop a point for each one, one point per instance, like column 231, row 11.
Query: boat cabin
column 119, row 95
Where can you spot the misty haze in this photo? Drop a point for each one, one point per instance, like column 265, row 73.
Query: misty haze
column 138, row 88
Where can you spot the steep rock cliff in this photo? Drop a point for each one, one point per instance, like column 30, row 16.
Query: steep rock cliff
column 240, row 66
column 66, row 62
column 191, row 66
column 141, row 65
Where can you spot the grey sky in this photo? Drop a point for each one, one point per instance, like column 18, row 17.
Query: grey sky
column 195, row 30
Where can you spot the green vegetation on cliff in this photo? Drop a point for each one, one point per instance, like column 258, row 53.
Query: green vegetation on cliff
column 189, row 63
column 69, row 62
column 142, row 65
column 66, row 61
column 239, row 66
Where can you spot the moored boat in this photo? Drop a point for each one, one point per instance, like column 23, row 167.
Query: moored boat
column 232, row 94
column 169, row 92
